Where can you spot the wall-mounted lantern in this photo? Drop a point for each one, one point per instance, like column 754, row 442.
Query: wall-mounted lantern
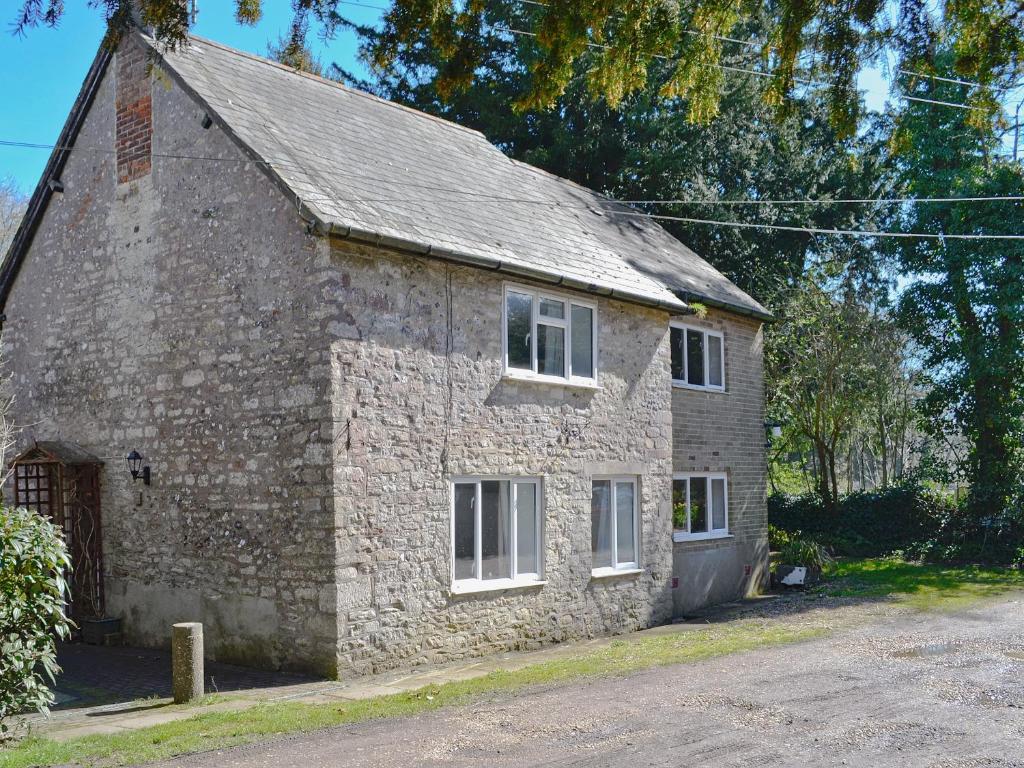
column 134, row 462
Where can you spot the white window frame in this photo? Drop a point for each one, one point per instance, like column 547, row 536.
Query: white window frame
column 477, row 584
column 683, row 383
column 536, row 318
column 617, row 568
column 712, row 533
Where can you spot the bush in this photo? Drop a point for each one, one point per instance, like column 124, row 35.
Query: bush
column 33, row 563
column 906, row 520
column 865, row 523
column 806, row 552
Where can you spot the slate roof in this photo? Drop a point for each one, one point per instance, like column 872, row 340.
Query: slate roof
column 365, row 168
column 371, row 169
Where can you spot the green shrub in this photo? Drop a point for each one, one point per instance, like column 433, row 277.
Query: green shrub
column 33, row 564
column 865, row 523
column 806, row 552
column 908, row 521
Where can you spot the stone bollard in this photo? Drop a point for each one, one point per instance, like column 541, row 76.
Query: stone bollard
column 187, row 673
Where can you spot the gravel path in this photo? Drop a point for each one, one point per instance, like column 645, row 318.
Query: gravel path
column 893, row 688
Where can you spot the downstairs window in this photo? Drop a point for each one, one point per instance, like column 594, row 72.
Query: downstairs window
column 614, row 525
column 700, row 506
column 496, row 533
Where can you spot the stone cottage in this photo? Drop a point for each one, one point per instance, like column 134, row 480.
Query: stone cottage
column 390, row 396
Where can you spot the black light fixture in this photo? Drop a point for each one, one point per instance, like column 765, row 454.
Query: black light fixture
column 56, row 187
column 134, row 462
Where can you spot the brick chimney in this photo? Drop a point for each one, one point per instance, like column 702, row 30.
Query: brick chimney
column 134, row 107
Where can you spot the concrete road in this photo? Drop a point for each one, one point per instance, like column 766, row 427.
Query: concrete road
column 943, row 691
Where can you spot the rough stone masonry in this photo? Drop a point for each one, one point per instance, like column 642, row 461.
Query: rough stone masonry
column 305, row 401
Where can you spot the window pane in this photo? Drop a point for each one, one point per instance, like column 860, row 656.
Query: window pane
column 551, row 308
column 518, row 321
column 582, row 342
column 679, row 516
column 676, row 341
column 601, row 523
column 495, row 531
column 526, row 532
column 465, row 530
column 718, row 504
column 625, row 536
column 695, row 358
column 714, row 361
column 550, row 350
column 698, row 505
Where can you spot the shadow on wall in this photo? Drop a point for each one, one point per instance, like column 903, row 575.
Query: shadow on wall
column 717, row 575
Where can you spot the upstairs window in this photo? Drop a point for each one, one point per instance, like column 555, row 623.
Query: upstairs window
column 700, row 506
column 549, row 337
column 698, row 357
column 496, row 533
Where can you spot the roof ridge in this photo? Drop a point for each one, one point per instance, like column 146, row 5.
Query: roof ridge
column 326, row 81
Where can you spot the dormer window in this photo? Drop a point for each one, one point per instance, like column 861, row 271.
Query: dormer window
column 549, row 337
column 698, row 357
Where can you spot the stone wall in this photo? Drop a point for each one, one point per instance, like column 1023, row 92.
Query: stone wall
column 305, row 404
column 419, row 398
column 724, row 432
column 175, row 315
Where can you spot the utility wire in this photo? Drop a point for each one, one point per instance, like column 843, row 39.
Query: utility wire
column 476, row 197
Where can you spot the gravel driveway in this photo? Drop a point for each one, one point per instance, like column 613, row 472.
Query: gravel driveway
column 938, row 690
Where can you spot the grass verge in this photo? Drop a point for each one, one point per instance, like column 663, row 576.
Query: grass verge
column 222, row 729
column 926, row 587
column 923, row 587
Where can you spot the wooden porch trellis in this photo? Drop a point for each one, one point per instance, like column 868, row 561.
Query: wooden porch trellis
column 61, row 481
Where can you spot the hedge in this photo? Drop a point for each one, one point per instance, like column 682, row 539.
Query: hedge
column 906, row 520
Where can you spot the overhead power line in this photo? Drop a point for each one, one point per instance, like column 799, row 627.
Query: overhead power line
column 471, row 197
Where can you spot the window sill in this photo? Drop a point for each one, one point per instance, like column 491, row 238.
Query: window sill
column 495, row 585
column 608, row 573
column 532, row 378
column 678, row 536
column 712, row 390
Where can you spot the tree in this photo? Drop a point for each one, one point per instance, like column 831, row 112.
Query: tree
column 296, row 55
column 620, row 40
column 821, row 359
column 964, row 306
column 647, row 149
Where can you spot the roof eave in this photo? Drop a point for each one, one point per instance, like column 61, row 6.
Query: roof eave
column 346, row 232
column 691, row 297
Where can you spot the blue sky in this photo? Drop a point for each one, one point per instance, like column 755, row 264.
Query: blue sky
column 43, row 70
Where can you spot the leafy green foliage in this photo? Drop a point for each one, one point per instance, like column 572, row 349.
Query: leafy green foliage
column 33, row 563
column 797, row 550
column 964, row 306
column 864, row 523
column 822, row 361
column 617, row 42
